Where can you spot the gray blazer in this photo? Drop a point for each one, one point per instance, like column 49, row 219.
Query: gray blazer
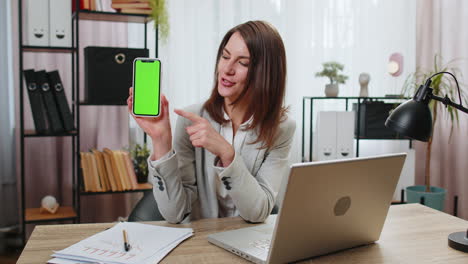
column 184, row 185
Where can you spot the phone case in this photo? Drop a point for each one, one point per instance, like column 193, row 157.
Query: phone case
column 134, row 89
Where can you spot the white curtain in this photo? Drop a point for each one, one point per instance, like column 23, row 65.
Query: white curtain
column 359, row 34
column 441, row 30
column 8, row 190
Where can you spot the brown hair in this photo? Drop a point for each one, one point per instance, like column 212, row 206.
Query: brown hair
column 265, row 84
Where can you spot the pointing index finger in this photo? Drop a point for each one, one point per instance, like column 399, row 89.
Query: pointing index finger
column 190, row 116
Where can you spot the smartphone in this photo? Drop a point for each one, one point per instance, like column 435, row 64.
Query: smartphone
column 146, row 87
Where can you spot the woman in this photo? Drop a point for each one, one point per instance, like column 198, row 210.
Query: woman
column 229, row 151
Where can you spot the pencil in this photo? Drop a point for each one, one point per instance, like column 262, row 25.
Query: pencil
column 126, row 244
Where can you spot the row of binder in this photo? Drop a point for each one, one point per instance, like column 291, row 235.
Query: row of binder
column 48, row 23
column 49, row 105
column 108, row 170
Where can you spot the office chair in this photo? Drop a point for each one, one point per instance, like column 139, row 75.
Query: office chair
column 146, row 209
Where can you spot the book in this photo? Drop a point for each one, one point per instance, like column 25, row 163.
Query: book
column 122, row 170
column 110, row 172
column 130, row 169
column 115, row 171
column 131, row 5
column 85, row 170
column 143, row 11
column 102, row 170
column 129, row 1
column 95, row 173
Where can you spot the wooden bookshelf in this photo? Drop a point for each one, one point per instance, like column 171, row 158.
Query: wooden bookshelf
column 33, row 133
column 141, row 188
column 63, row 213
column 112, row 16
column 48, row 49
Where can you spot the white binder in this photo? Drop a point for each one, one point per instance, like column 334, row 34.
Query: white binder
column 326, row 135
column 60, row 16
column 37, row 22
column 335, row 135
column 345, row 134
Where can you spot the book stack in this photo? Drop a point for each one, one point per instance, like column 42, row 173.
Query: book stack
column 132, row 6
column 108, row 170
column 93, row 5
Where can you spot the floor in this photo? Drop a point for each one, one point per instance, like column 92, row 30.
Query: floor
column 10, row 256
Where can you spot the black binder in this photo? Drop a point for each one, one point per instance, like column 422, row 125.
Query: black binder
column 108, row 74
column 55, row 125
column 65, row 114
column 35, row 99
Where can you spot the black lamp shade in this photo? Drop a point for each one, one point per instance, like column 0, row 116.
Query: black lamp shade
column 412, row 119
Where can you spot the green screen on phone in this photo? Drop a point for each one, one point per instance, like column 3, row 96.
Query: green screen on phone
column 146, row 87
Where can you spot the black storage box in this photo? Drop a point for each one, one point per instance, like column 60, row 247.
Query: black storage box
column 373, row 115
column 108, row 74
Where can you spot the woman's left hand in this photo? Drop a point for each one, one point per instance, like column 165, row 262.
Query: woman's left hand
column 203, row 135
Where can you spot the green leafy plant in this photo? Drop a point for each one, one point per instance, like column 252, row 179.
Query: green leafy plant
column 442, row 85
column 160, row 17
column 331, row 70
column 139, row 156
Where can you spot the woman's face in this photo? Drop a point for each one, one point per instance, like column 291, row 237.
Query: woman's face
column 233, row 67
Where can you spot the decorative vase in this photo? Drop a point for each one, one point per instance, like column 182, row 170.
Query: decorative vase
column 331, row 90
column 434, row 199
column 364, row 79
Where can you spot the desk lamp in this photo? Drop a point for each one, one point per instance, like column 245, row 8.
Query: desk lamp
column 413, row 119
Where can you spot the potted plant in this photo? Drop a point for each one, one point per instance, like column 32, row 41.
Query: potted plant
column 160, row 17
column 140, row 156
column 442, row 85
column 331, row 70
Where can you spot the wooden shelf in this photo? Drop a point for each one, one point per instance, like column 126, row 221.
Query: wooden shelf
column 94, row 104
column 33, row 215
column 33, row 133
column 112, row 17
column 47, row 49
column 141, row 188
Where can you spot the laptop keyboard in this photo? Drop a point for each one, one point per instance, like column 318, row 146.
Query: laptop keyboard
column 263, row 244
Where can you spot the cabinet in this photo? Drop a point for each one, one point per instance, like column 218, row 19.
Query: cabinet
column 71, row 211
column 30, row 214
column 99, row 17
column 309, row 112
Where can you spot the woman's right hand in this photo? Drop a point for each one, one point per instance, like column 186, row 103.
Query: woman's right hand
column 158, row 128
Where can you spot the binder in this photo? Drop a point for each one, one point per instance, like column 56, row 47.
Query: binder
column 60, row 18
column 37, row 22
column 345, row 134
column 326, row 135
column 55, row 125
column 35, row 99
column 65, row 114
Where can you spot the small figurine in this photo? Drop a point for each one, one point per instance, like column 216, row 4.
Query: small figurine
column 364, row 79
column 49, row 204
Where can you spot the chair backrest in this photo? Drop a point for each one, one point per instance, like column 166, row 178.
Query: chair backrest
column 146, row 209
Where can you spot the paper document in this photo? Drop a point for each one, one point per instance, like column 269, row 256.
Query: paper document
column 148, row 244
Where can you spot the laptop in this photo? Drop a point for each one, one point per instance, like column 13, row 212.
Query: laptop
column 328, row 206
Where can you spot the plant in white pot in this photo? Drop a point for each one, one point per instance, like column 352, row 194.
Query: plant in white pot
column 442, row 85
column 331, row 70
